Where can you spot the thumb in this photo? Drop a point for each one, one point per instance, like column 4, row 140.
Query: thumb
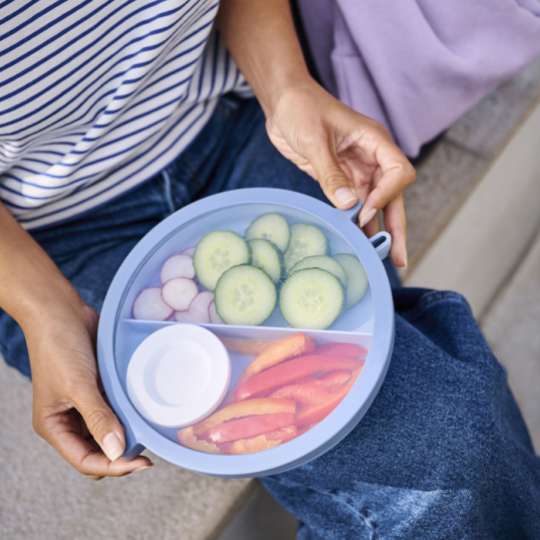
column 100, row 421
column 333, row 181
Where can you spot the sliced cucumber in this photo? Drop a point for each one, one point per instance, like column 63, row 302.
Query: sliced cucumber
column 324, row 263
column 267, row 257
column 311, row 298
column 273, row 227
column 357, row 282
column 217, row 252
column 306, row 241
column 245, row 295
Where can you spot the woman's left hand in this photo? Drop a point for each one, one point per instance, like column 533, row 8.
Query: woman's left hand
column 351, row 156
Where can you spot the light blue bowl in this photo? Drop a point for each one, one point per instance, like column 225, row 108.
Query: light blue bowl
column 371, row 323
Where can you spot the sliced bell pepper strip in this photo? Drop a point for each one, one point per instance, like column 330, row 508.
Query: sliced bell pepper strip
column 240, row 409
column 289, row 372
column 343, row 349
column 311, row 390
column 249, row 426
column 315, row 413
column 262, row 442
column 279, row 351
column 188, row 438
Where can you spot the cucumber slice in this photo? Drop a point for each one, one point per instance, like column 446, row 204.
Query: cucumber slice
column 245, row 295
column 324, row 263
column 306, row 241
column 311, row 298
column 273, row 227
column 217, row 252
column 357, row 282
column 267, row 257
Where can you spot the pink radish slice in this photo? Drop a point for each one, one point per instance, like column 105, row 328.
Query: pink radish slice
column 200, row 307
column 149, row 305
column 198, row 310
column 177, row 266
column 179, row 293
column 214, row 315
column 189, row 251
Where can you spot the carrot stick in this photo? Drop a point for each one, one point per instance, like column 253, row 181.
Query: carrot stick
column 248, row 347
column 279, row 351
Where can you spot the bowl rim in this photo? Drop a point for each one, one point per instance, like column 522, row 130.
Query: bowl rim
column 319, row 438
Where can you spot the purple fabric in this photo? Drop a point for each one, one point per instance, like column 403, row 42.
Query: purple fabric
column 417, row 65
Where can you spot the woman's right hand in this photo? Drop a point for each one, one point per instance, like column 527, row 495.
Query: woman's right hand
column 69, row 410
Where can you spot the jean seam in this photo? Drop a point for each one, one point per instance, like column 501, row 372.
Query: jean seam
column 167, row 190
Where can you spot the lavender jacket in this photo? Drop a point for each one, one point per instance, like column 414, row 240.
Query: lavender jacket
column 417, row 65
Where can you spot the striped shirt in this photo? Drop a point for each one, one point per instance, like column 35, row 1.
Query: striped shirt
column 97, row 96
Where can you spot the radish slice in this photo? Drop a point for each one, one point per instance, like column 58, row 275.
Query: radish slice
column 200, row 307
column 214, row 315
column 183, row 316
column 198, row 311
column 177, row 266
column 189, row 251
column 179, row 293
column 149, row 305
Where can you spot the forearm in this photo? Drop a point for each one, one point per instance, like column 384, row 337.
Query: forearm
column 261, row 37
column 29, row 279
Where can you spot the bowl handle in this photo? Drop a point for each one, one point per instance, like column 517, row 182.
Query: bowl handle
column 382, row 241
column 133, row 448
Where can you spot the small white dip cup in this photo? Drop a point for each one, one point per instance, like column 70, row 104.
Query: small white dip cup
column 178, row 375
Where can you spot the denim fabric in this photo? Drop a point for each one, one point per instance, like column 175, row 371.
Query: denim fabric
column 442, row 453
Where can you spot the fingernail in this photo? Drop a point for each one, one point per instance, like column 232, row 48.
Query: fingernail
column 345, row 196
column 112, row 446
column 366, row 215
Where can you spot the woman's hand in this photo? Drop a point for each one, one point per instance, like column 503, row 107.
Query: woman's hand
column 351, row 156
column 69, row 410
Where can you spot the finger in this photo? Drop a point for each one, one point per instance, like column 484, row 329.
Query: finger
column 395, row 174
column 100, row 420
column 395, row 222
column 372, row 227
column 334, row 182
column 63, row 433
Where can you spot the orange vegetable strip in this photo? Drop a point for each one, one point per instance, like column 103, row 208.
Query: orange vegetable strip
column 262, row 442
column 245, row 408
column 279, row 351
column 188, row 438
column 313, row 391
column 249, row 426
column 248, row 347
column 343, row 349
column 289, row 372
column 315, row 413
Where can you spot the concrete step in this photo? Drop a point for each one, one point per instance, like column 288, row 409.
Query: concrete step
column 512, row 326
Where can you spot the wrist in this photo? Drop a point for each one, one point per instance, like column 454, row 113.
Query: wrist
column 282, row 87
column 46, row 303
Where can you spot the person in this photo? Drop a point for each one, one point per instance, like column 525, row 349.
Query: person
column 114, row 115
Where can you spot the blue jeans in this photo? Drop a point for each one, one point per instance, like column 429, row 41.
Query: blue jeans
column 442, row 453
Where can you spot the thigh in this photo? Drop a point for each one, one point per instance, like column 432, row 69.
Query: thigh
column 436, row 450
column 88, row 250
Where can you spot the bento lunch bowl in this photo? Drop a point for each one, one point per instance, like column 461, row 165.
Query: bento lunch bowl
column 369, row 324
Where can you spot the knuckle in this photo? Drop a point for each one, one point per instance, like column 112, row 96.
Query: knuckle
column 97, row 420
column 333, row 179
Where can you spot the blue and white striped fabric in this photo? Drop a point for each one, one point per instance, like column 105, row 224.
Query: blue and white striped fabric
column 97, row 96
